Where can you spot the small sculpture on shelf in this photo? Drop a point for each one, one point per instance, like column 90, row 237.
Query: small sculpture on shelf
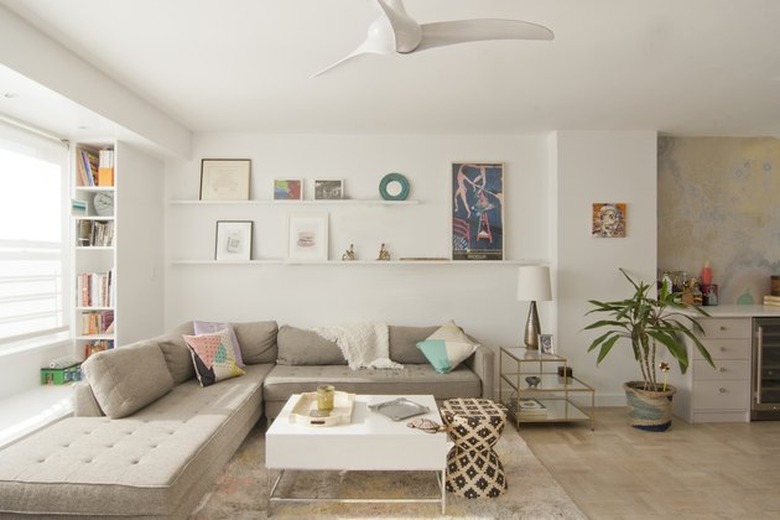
column 384, row 254
column 533, row 381
column 349, row 254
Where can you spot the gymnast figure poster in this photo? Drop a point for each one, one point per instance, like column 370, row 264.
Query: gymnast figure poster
column 477, row 211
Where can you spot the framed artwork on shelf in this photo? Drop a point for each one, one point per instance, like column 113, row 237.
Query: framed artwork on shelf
column 233, row 240
column 328, row 189
column 546, row 344
column 608, row 220
column 477, row 211
column 308, row 237
column 224, row 179
column 288, row 189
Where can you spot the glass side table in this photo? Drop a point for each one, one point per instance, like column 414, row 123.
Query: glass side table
column 534, row 392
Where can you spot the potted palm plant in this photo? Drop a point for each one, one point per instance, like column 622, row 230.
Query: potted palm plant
column 649, row 324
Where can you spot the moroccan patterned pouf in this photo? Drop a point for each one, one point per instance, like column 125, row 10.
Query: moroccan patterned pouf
column 473, row 468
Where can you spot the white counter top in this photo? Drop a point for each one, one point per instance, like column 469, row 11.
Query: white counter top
column 742, row 311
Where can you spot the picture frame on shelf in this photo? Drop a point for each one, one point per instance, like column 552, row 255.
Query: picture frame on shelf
column 608, row 220
column 288, row 189
column 307, row 236
column 233, row 241
column 477, row 211
column 328, row 189
column 546, row 344
column 224, row 179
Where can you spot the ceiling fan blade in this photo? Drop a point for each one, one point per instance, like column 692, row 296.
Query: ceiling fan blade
column 407, row 31
column 463, row 31
column 379, row 40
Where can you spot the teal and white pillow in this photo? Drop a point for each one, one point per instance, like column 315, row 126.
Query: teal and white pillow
column 447, row 348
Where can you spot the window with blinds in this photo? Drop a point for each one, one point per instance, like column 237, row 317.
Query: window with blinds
column 34, row 257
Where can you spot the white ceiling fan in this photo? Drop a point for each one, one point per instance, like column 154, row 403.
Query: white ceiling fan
column 397, row 32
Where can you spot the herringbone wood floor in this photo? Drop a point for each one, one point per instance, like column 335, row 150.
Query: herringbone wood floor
column 699, row 471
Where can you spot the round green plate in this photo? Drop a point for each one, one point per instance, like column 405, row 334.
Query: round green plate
column 394, row 186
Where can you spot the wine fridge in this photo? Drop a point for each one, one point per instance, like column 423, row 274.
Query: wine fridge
column 765, row 377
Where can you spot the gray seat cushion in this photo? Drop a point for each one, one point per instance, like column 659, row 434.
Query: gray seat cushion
column 283, row 381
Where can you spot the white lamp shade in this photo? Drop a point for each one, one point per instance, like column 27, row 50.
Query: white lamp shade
column 533, row 283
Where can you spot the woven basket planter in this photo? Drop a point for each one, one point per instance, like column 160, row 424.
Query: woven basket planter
column 648, row 410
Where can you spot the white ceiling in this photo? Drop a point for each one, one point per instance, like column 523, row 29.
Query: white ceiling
column 692, row 67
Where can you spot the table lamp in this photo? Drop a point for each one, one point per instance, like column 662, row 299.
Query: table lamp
column 533, row 284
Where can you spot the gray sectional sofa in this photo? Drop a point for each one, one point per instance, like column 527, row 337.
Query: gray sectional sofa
column 147, row 440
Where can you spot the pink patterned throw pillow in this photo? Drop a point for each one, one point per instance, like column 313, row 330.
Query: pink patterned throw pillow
column 212, row 327
column 213, row 357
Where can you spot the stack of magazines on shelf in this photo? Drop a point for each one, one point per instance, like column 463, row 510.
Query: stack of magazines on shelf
column 531, row 408
column 771, row 300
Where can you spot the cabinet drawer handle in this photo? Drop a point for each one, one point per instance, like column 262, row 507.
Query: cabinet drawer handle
column 723, row 349
column 723, row 327
column 721, row 370
column 722, row 390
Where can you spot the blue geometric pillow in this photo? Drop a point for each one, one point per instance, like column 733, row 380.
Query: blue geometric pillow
column 446, row 348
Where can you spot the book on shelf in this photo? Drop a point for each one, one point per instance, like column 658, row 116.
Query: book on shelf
column 95, row 233
column 531, row 408
column 88, row 163
column 97, row 322
column 97, row 346
column 95, row 289
column 105, row 175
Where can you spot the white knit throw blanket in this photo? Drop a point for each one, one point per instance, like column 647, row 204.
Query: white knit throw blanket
column 364, row 345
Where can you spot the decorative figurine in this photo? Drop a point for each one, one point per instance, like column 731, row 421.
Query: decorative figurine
column 533, row 381
column 349, row 254
column 384, row 254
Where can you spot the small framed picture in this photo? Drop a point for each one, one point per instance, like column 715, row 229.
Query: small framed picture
column 546, row 344
column 328, row 189
column 608, row 220
column 308, row 237
column 233, row 240
column 224, row 179
column 288, row 189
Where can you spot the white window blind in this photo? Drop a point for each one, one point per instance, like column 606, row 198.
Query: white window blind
column 34, row 258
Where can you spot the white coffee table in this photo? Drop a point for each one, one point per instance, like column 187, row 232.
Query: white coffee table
column 371, row 442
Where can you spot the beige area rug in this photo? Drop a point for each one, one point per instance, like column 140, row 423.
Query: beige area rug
column 241, row 490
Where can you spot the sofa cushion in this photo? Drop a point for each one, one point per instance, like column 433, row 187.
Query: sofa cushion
column 177, row 354
column 306, row 347
column 159, row 463
column 210, row 327
column 213, row 357
column 448, row 347
column 257, row 340
column 285, row 380
column 126, row 379
column 403, row 343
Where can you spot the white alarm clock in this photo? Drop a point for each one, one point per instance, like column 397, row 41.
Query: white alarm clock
column 104, row 204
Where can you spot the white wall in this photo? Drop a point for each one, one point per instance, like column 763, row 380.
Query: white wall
column 602, row 167
column 480, row 297
column 551, row 182
column 139, row 209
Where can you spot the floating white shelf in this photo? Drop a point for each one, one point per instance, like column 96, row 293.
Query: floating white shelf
column 345, row 202
column 359, row 262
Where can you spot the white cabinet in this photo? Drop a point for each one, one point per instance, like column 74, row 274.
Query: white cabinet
column 721, row 394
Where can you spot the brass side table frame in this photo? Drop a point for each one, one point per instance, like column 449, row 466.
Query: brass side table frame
column 555, row 392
